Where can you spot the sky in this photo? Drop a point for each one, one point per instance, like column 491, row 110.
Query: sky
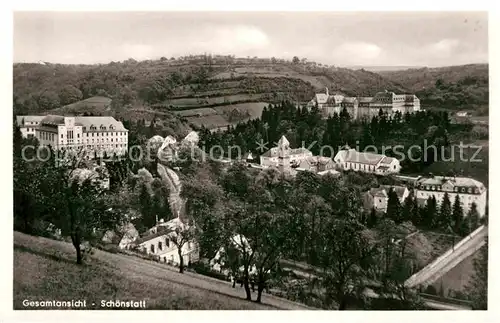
column 333, row 38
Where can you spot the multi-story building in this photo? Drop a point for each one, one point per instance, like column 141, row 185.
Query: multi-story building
column 468, row 190
column 348, row 159
column 95, row 136
column 28, row 124
column 365, row 107
column 378, row 198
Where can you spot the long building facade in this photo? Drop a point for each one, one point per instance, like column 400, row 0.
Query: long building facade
column 95, row 136
column 365, row 107
column 468, row 190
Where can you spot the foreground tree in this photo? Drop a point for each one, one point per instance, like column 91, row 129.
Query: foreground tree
column 341, row 254
column 478, row 285
column 75, row 202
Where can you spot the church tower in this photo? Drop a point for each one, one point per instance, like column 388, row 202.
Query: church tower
column 284, row 155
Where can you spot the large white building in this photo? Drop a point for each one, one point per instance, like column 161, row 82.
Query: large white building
column 365, row 107
column 350, row 159
column 468, row 190
column 96, row 136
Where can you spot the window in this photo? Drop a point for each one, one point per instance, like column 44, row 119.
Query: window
column 463, row 189
column 62, row 136
column 77, row 135
column 470, row 190
column 152, row 248
column 160, row 247
column 167, row 242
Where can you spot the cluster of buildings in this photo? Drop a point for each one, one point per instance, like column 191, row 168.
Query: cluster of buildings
column 95, row 136
column 290, row 161
column 365, row 107
column 302, row 159
column 468, row 190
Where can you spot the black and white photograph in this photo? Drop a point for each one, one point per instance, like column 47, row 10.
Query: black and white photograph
column 258, row 160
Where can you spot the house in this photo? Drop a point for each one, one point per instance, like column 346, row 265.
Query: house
column 124, row 236
column 160, row 241
column 95, row 136
column 294, row 156
column 467, row 189
column 316, row 164
column 378, row 198
column 28, row 124
column 350, row 159
column 462, row 114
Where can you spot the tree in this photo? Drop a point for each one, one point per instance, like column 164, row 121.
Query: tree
column 394, row 207
column 445, row 218
column 341, row 253
column 478, row 284
column 69, row 94
column 295, row 60
column 181, row 234
column 75, row 202
column 48, row 100
column 457, row 215
column 472, row 218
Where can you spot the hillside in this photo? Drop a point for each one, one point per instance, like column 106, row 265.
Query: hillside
column 455, row 87
column 45, row 269
column 236, row 88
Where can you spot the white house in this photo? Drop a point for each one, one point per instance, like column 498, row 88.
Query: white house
column 28, row 124
column 468, row 190
column 160, row 242
column 239, row 243
column 366, row 162
column 378, row 197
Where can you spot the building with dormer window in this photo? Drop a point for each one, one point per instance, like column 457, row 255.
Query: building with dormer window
column 469, row 191
column 93, row 136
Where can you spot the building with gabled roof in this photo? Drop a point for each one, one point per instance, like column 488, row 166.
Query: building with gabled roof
column 294, row 156
column 467, row 189
column 28, row 124
column 350, row 159
column 378, row 197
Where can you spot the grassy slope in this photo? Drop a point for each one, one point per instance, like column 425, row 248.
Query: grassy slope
column 45, row 269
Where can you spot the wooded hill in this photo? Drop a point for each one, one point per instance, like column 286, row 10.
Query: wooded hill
column 220, row 90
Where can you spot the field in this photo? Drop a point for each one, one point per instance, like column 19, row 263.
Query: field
column 96, row 105
column 222, row 116
column 46, row 269
column 458, row 277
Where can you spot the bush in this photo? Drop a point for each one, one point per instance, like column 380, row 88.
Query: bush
column 205, row 270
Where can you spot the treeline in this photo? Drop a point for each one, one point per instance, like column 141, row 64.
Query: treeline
column 422, row 130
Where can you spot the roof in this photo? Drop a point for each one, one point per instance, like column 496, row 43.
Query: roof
column 387, row 160
column 283, row 142
column 329, row 171
column 383, row 191
column 19, row 119
column 454, row 181
column 365, row 99
column 53, row 120
column 161, row 230
column 354, row 156
column 321, row 98
column 400, row 190
column 106, row 121
column 274, row 152
column 349, row 100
